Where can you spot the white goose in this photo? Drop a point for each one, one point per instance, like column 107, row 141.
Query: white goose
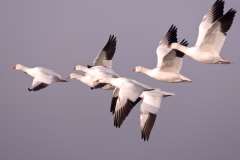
column 42, row 76
column 212, row 34
column 98, row 72
column 89, row 81
column 128, row 92
column 149, row 108
column 102, row 64
column 169, row 60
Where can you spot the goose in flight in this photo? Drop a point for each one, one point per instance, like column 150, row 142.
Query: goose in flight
column 102, row 65
column 149, row 108
column 128, row 92
column 96, row 73
column 42, row 76
column 169, row 60
column 212, row 34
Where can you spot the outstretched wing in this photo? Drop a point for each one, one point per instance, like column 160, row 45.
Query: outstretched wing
column 163, row 49
column 213, row 14
column 216, row 34
column 128, row 96
column 172, row 62
column 104, row 58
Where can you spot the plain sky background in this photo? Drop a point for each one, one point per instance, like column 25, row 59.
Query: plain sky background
column 70, row 121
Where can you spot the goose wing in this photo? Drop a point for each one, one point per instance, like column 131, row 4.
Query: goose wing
column 104, row 58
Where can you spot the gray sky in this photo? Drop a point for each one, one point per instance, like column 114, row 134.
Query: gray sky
column 69, row 121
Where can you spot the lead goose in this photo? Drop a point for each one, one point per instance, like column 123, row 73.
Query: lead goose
column 169, row 60
column 42, row 76
column 102, row 64
column 128, row 92
column 212, row 34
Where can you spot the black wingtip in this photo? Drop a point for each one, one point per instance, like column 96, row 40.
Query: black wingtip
column 113, row 104
column 122, row 113
column 217, row 10
column 172, row 34
column 179, row 53
column 100, row 85
column 89, row 66
column 146, row 130
column 110, row 47
column 184, row 43
column 226, row 20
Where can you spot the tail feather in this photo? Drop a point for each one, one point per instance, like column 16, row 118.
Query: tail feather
column 167, row 94
column 185, row 79
column 222, row 61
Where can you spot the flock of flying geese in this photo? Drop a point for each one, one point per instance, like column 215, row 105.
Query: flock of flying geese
column 127, row 92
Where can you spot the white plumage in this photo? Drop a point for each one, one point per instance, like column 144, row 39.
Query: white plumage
column 169, row 60
column 212, row 34
column 42, row 76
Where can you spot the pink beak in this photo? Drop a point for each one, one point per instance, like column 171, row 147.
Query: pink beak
column 14, row 67
column 169, row 46
column 68, row 76
column 133, row 70
column 97, row 80
column 74, row 68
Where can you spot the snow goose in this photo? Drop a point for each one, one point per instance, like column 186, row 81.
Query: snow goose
column 42, row 76
column 128, row 92
column 98, row 72
column 89, row 81
column 169, row 60
column 149, row 109
column 212, row 34
column 102, row 64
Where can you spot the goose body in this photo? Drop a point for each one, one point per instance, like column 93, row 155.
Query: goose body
column 98, row 72
column 87, row 79
column 42, row 76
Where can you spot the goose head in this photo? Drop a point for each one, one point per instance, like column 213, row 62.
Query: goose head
column 102, row 80
column 18, row 67
column 137, row 69
column 78, row 67
column 71, row 76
